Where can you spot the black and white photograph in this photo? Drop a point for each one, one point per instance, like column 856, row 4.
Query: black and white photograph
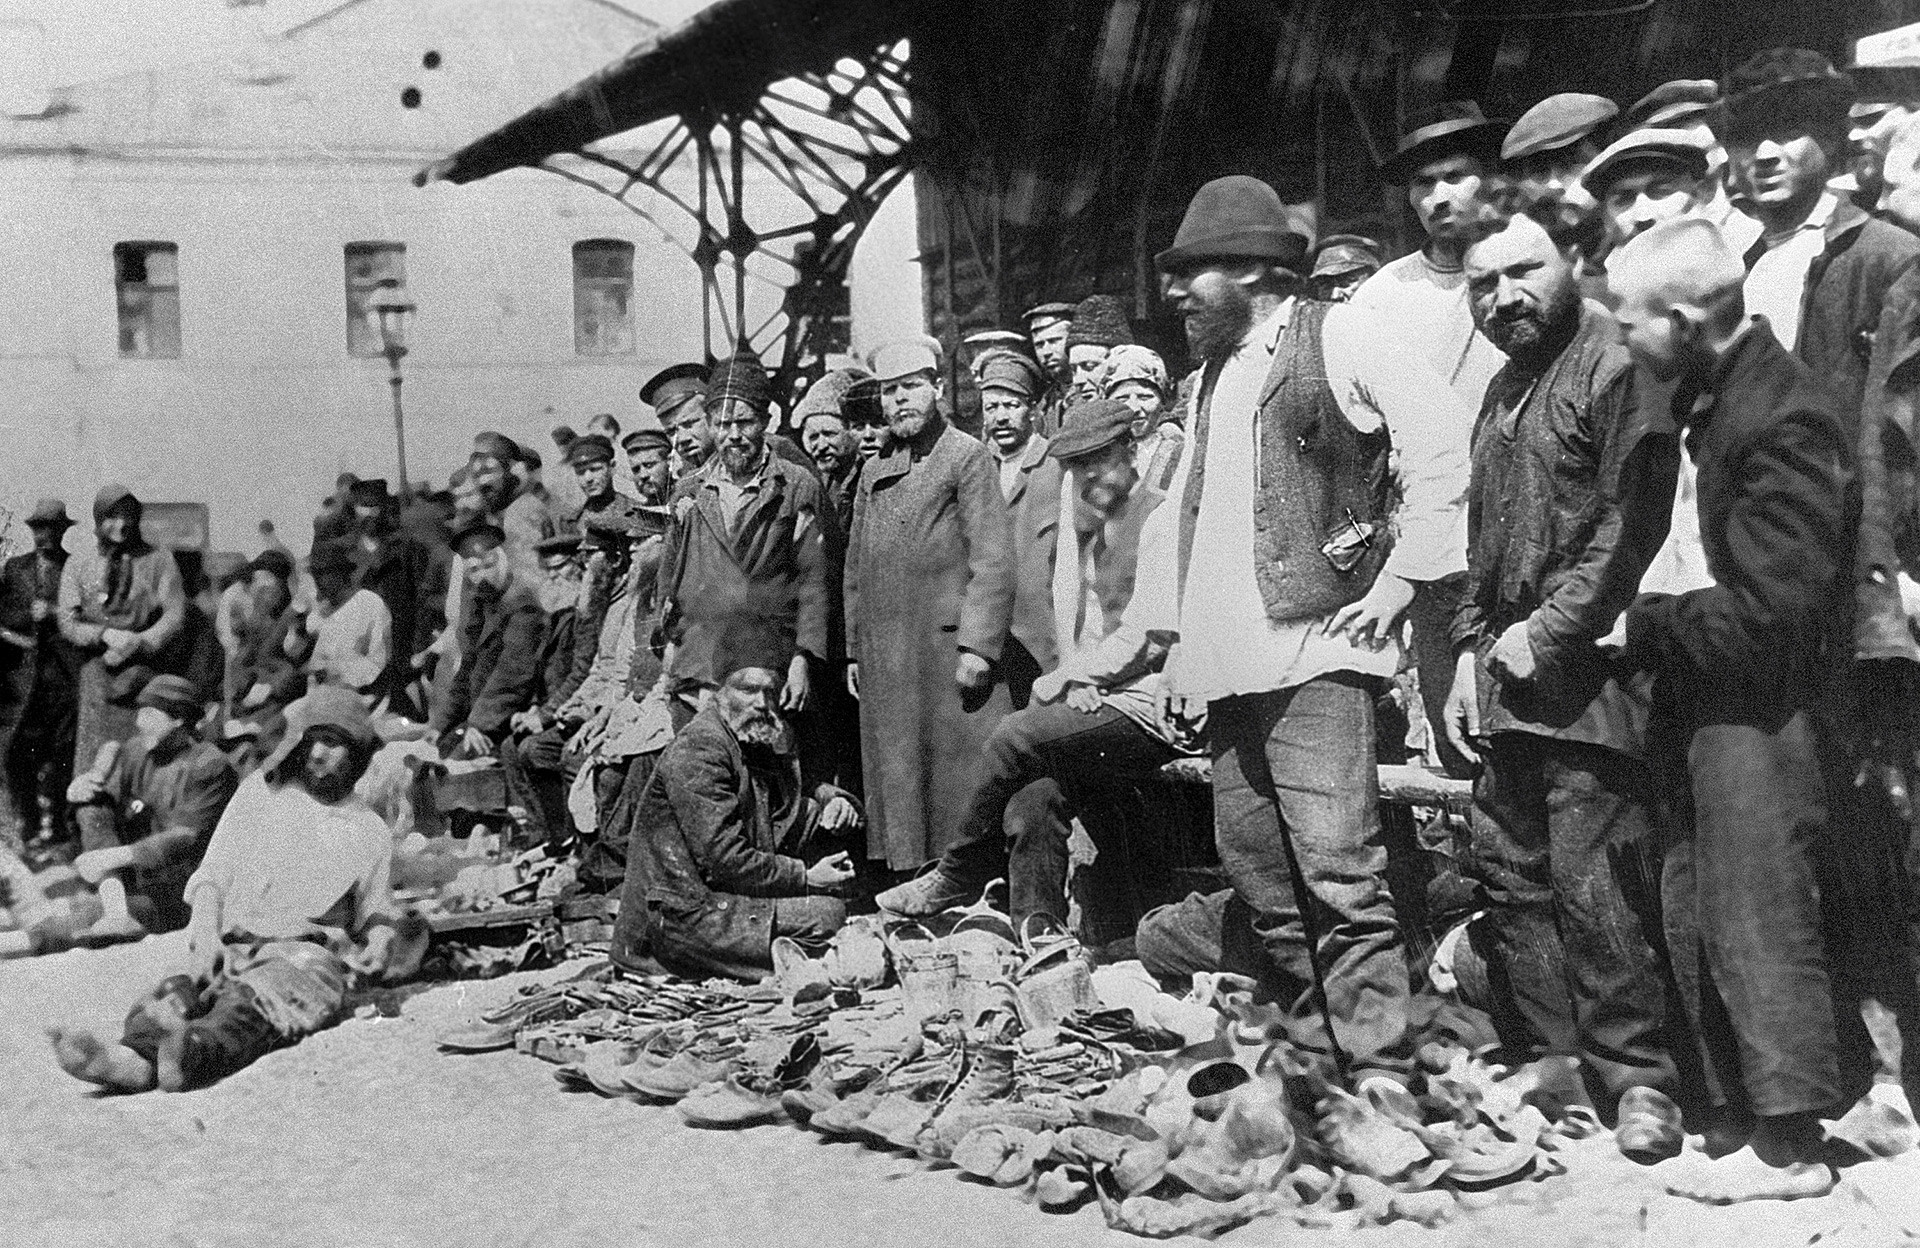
column 983, row 623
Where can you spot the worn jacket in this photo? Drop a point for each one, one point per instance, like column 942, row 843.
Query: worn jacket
column 1571, row 495
column 500, row 660
column 163, row 803
column 1777, row 512
column 149, row 601
column 769, row 563
column 1889, row 543
column 52, row 658
column 1033, row 509
column 715, row 840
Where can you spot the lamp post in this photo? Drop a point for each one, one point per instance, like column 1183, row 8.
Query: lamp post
column 391, row 308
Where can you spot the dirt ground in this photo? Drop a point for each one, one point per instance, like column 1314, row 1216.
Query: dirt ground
column 367, row 1137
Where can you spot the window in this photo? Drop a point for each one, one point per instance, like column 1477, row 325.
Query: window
column 368, row 265
column 603, row 297
column 146, row 282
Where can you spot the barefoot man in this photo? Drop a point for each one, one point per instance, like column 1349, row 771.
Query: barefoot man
column 291, row 904
column 1737, row 666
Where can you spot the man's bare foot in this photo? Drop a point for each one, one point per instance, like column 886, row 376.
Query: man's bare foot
column 113, row 1066
column 173, row 1043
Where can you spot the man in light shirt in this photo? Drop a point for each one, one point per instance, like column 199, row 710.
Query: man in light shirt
column 351, row 628
column 1324, row 479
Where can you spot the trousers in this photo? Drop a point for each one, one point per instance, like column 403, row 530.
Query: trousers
column 1563, row 844
column 1295, row 794
column 535, row 769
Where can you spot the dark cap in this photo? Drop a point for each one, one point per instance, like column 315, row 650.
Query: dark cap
column 1046, row 314
column 173, row 694
column 1451, row 128
column 634, row 439
column 1556, row 122
column 862, row 404
column 114, row 498
column 277, row 562
column 478, row 535
column 329, row 557
column 1671, row 103
column 1236, row 218
column 746, row 641
column 1008, row 370
column 368, row 492
column 49, row 513
column 558, row 544
column 740, row 378
column 674, row 385
column 589, row 449
column 1340, row 254
column 1794, row 81
column 1680, row 149
column 1090, row 426
column 1099, row 321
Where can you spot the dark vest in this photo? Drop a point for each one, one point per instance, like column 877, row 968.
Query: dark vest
column 1316, row 476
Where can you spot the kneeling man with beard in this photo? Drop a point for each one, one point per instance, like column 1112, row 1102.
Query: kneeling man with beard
column 292, row 905
column 719, row 860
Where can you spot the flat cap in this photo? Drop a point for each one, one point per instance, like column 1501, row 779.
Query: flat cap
column 1046, row 314
column 477, row 535
column 324, row 706
column 1670, row 103
column 1089, row 426
column 1133, row 362
column 634, row 439
column 589, row 449
column 1008, row 370
column 1099, row 321
column 1339, row 254
column 893, row 360
column 1682, row 149
column 1449, row 128
column 862, row 404
column 672, row 384
column 1556, row 122
column 824, row 397
column 981, row 341
column 558, row 544
column 173, row 694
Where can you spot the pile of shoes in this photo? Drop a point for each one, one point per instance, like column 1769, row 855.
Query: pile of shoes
column 1004, row 1054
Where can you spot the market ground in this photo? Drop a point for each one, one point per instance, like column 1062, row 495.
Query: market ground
column 367, row 1137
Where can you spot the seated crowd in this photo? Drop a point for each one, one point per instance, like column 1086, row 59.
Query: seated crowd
column 1610, row 480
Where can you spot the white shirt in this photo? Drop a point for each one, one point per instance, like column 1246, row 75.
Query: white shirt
column 1778, row 280
column 352, row 642
column 1429, row 312
column 1227, row 643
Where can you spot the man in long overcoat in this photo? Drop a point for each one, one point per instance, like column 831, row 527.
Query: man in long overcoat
column 38, row 671
column 929, row 591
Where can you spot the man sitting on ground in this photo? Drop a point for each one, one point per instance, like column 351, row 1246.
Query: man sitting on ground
column 722, row 857
column 291, row 905
column 152, row 813
column 500, row 654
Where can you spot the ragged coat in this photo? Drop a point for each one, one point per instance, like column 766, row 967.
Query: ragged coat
column 929, row 574
column 500, row 661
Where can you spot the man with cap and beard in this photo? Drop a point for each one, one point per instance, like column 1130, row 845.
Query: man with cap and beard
column 292, row 905
column 1048, row 325
column 38, row 671
column 929, row 592
column 499, row 656
column 1301, row 535
column 1573, row 482
column 746, row 542
column 1447, row 161
column 724, row 856
column 120, row 604
column 1030, row 484
column 152, row 814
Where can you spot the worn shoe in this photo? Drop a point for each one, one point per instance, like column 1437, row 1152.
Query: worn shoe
column 685, row 1072
column 731, row 1103
column 1648, row 1128
column 928, row 893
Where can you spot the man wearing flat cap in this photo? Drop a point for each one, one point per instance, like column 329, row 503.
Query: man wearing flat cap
column 150, row 815
column 1299, row 540
column 1048, row 325
column 1545, row 151
column 1030, row 483
column 649, row 455
column 1645, row 177
column 39, row 672
column 120, row 604
column 591, row 459
column 1886, row 96
column 747, row 540
column 1093, row 730
column 675, row 393
column 500, row 653
column 929, row 593
column 1341, row 262
column 1694, row 105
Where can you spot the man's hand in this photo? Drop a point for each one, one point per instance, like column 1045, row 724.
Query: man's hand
column 19, row 641
column 528, row 721
column 829, row 871
column 840, row 814
column 1512, row 655
column 1084, row 698
column 972, row 673
column 121, row 646
column 474, row 743
column 794, row 694
column 1049, row 686
column 1461, row 712
column 853, row 681
column 1371, row 621
column 82, row 789
column 97, row 864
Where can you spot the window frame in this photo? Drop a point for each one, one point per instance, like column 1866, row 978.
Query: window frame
column 131, row 315
column 592, row 344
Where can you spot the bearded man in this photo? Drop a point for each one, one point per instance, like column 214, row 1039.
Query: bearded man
column 1571, row 492
column 292, row 906
column 723, row 856
column 119, row 606
column 1294, row 560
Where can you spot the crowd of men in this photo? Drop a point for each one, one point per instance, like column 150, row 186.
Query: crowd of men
column 1620, row 462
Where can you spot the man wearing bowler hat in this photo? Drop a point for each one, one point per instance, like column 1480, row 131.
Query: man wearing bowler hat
column 929, row 592
column 1301, row 534
column 38, row 670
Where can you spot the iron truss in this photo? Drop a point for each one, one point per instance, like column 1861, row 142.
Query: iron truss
column 785, row 185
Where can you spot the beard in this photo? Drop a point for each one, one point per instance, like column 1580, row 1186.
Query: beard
column 559, row 593
column 739, row 460
column 332, row 787
column 762, row 731
column 1217, row 327
column 1527, row 333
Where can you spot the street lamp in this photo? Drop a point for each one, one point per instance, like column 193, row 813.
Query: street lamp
column 392, row 309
